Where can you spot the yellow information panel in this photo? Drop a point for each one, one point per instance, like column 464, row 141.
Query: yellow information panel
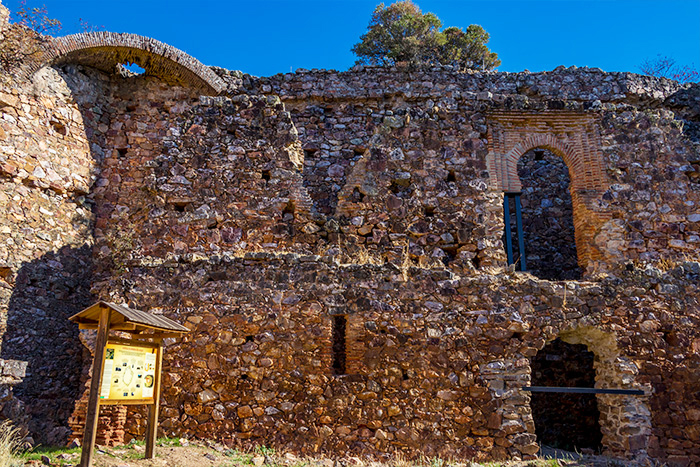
column 129, row 373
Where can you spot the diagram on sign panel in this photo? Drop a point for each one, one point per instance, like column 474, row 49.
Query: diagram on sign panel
column 128, row 373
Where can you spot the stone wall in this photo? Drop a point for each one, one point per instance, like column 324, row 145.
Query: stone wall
column 259, row 217
column 47, row 166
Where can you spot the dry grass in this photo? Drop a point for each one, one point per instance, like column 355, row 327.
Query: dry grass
column 10, row 445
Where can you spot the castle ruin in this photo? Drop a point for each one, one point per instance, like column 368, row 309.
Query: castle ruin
column 370, row 261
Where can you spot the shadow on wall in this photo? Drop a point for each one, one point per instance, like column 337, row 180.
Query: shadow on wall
column 47, row 291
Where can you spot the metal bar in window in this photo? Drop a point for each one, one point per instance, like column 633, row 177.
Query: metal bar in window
column 521, row 237
column 506, row 220
column 630, row 392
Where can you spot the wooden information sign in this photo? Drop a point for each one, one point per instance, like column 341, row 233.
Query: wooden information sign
column 125, row 371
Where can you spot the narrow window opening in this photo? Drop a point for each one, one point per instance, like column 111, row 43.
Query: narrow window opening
column 339, row 344
column 451, row 176
column 566, row 421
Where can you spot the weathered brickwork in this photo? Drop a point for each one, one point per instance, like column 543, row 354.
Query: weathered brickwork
column 335, row 243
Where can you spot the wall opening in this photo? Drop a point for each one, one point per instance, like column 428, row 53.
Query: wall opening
column 570, row 422
column 547, row 216
column 339, row 344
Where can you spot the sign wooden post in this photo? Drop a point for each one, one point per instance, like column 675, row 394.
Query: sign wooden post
column 93, row 407
column 152, row 427
column 125, row 371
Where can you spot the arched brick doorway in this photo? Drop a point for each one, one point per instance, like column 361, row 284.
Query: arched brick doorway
column 625, row 420
column 574, row 137
column 564, row 420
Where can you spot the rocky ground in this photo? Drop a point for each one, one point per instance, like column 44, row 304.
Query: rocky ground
column 184, row 453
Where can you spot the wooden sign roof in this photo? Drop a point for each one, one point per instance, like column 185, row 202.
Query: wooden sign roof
column 123, row 317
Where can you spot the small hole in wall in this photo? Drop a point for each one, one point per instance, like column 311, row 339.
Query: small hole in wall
column 451, row 176
column 122, row 152
column 450, row 253
column 694, row 175
column 266, row 175
column 179, row 207
column 405, row 375
column 244, row 377
column 134, row 68
column 429, row 211
column 59, row 127
column 249, row 338
column 539, row 154
column 289, row 208
column 476, row 262
column 517, row 335
column 401, row 188
column 358, row 151
column 357, row 196
column 288, row 212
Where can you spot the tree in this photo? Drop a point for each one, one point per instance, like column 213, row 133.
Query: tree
column 37, row 19
column 402, row 33
column 23, row 41
column 467, row 50
column 666, row 67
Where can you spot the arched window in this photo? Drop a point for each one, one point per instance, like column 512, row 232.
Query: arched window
column 539, row 230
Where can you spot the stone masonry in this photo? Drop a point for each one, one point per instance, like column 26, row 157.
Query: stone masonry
column 335, row 243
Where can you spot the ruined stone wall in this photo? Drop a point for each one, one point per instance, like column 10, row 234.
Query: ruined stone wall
column 436, row 350
column 47, row 166
column 434, row 362
column 374, row 195
column 601, row 124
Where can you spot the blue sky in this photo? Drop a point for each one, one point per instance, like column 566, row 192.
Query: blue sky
column 264, row 37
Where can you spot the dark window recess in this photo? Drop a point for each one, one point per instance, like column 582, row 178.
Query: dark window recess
column 451, row 176
column 514, row 239
column 339, row 335
column 547, row 216
column 567, row 421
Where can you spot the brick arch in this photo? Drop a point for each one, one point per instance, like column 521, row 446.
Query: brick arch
column 105, row 50
column 563, row 150
column 573, row 136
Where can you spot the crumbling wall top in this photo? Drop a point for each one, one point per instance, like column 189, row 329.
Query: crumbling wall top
column 585, row 85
